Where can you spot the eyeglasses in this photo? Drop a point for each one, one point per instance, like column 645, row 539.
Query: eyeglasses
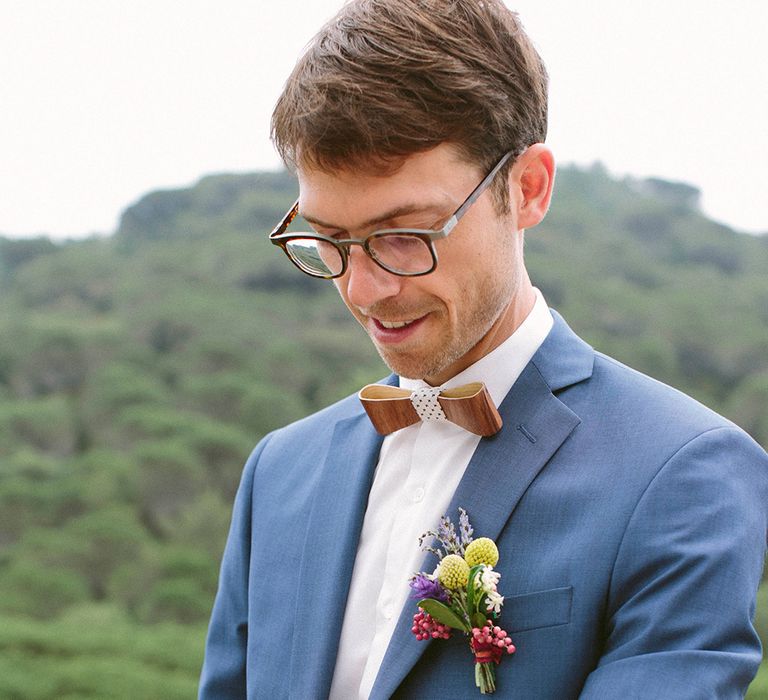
column 408, row 252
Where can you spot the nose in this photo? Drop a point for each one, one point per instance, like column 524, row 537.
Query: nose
column 365, row 283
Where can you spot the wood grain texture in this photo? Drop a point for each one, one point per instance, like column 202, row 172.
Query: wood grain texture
column 469, row 406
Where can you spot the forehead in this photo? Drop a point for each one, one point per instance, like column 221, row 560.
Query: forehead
column 437, row 177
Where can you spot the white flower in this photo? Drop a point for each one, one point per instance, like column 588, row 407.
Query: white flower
column 494, row 602
column 489, row 579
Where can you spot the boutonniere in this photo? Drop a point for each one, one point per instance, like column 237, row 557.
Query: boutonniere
column 462, row 594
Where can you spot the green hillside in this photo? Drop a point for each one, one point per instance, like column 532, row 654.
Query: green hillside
column 138, row 371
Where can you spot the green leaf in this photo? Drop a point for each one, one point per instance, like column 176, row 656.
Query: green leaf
column 478, row 619
column 473, row 572
column 443, row 614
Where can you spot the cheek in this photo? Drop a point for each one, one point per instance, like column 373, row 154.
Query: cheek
column 341, row 287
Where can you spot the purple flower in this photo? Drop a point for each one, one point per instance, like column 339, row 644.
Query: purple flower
column 425, row 587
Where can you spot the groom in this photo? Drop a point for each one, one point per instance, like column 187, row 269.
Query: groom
column 630, row 520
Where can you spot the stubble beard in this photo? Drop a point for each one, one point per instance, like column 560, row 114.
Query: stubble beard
column 490, row 302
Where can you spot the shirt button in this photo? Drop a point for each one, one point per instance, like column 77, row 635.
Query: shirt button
column 418, row 494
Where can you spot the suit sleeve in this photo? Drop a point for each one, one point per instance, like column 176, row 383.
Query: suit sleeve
column 224, row 668
column 682, row 595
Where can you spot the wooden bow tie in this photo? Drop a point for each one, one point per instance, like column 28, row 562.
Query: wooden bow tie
column 470, row 406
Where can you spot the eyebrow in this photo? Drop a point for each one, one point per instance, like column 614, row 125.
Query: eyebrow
column 390, row 215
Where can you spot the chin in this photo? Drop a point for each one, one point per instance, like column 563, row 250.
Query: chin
column 404, row 367
column 414, row 368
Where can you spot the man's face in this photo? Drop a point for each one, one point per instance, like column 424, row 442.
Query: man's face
column 434, row 326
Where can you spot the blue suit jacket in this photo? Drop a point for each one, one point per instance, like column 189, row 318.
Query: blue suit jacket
column 631, row 523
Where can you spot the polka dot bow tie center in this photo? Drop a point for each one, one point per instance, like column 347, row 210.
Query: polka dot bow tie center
column 425, row 402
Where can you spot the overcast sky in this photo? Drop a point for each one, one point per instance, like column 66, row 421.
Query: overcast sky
column 102, row 101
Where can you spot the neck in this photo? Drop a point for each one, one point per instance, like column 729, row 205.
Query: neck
column 508, row 321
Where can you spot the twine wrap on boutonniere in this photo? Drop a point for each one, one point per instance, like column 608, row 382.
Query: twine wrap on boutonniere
column 462, row 594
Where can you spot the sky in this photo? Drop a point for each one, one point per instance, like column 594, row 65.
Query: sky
column 102, row 101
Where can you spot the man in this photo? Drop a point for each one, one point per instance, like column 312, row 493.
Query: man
column 630, row 520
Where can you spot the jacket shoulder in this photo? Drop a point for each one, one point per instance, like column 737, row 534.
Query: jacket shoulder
column 650, row 402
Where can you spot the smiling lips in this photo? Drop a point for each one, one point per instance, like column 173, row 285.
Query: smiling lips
column 394, row 331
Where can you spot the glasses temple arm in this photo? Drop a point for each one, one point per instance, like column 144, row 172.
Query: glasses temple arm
column 290, row 215
column 469, row 201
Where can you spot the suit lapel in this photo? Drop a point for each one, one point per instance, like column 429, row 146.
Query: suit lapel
column 333, row 531
column 536, row 423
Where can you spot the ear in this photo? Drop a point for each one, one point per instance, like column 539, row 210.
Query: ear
column 531, row 179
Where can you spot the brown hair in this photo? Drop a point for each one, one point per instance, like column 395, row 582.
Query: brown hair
column 388, row 78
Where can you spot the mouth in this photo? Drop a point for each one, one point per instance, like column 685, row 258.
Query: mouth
column 394, row 331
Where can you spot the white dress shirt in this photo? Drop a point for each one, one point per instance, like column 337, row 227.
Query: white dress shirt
column 418, row 471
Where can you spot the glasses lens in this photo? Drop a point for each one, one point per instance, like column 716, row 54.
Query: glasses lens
column 318, row 258
column 399, row 252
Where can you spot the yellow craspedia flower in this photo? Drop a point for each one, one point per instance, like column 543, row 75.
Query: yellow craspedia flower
column 483, row 550
column 453, row 572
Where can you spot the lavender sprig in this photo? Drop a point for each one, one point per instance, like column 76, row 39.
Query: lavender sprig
column 427, row 548
column 446, row 534
column 465, row 528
